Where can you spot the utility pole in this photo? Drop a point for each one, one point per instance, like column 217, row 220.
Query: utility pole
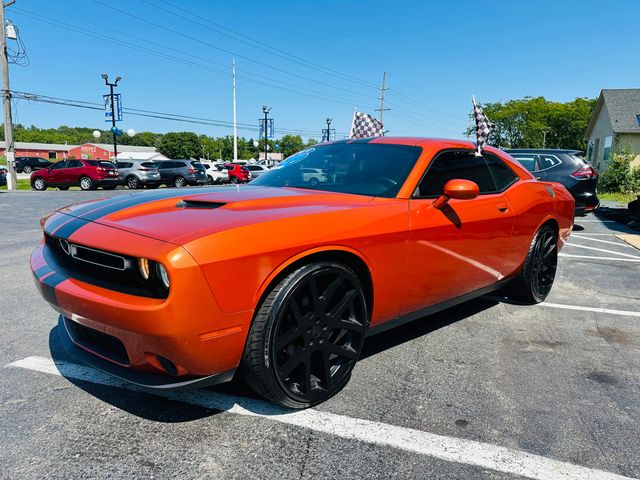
column 113, row 114
column 235, row 120
column 381, row 98
column 12, row 180
column 266, row 110
column 544, row 138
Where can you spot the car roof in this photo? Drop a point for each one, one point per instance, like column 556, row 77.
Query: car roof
column 412, row 141
column 541, row 150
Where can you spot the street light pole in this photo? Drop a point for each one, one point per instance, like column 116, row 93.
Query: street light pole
column 113, row 113
column 329, row 129
column 266, row 111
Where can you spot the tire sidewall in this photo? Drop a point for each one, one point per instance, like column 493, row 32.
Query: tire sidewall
column 274, row 314
column 27, row 169
column 179, row 182
column 528, row 270
column 133, row 180
column 84, row 185
column 40, row 181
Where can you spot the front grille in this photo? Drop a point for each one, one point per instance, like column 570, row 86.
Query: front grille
column 98, row 267
column 100, row 343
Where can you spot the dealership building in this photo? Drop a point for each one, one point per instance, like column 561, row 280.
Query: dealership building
column 98, row 151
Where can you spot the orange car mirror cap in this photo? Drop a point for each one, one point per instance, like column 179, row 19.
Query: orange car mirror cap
column 459, row 189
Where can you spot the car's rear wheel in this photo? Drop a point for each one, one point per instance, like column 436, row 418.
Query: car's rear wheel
column 39, row 184
column 307, row 336
column 133, row 183
column 539, row 269
column 27, row 169
column 179, row 181
column 86, row 183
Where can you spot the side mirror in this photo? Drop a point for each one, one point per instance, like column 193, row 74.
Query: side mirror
column 458, row 189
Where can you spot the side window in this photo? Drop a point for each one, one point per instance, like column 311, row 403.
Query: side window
column 503, row 176
column 58, row 165
column 548, row 161
column 165, row 165
column 74, row 164
column 528, row 160
column 455, row 164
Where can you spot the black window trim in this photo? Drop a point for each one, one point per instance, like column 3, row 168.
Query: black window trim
column 448, row 150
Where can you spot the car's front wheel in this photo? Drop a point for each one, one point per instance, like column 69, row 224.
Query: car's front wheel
column 86, row 183
column 307, row 336
column 539, row 269
column 39, row 184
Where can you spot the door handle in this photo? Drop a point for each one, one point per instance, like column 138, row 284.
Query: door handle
column 503, row 207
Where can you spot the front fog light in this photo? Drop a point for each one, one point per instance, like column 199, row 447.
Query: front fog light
column 164, row 276
column 143, row 268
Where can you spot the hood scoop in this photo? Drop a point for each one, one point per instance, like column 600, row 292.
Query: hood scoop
column 199, row 204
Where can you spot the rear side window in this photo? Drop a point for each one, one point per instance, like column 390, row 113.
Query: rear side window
column 502, row 175
column 179, row 164
column 455, row 164
column 124, row 165
column 549, row 161
column 148, row 165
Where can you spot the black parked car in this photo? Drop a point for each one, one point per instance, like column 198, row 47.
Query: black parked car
column 29, row 164
column 180, row 173
column 3, row 177
column 567, row 167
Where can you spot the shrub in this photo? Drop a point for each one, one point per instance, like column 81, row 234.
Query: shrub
column 619, row 176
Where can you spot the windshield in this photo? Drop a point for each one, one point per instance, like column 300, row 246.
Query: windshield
column 377, row 170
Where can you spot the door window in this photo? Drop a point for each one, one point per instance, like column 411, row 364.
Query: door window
column 451, row 165
column 74, row 164
column 529, row 161
column 58, row 165
column 549, row 161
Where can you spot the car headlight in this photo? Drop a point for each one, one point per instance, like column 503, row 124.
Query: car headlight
column 164, row 275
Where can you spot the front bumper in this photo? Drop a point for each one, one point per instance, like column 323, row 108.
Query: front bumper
column 202, row 343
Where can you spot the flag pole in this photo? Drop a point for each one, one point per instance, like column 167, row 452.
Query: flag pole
column 353, row 120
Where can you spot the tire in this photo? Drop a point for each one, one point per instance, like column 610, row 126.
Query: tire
column 314, row 181
column 179, row 182
column 132, row 183
column 303, row 345
column 64, row 189
column 539, row 269
column 39, row 184
column 233, row 180
column 86, row 183
column 27, row 169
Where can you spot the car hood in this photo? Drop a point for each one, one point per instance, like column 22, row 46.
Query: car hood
column 181, row 215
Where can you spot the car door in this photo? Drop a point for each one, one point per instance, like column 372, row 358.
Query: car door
column 55, row 174
column 72, row 172
column 165, row 168
column 465, row 245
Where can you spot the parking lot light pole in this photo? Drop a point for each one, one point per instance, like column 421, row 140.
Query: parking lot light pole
column 266, row 110
column 113, row 113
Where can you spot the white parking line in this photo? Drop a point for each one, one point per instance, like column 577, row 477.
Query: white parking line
column 584, row 237
column 562, row 254
column 603, row 250
column 450, row 449
column 625, row 313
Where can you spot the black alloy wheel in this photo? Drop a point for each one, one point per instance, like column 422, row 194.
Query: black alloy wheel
column 307, row 336
column 133, row 183
column 539, row 270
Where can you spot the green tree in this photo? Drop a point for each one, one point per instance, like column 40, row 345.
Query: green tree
column 290, row 144
column 523, row 123
column 180, row 145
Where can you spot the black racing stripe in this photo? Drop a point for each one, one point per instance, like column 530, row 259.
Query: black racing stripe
column 48, row 287
column 132, row 201
column 68, row 229
column 81, row 210
column 42, row 271
column 53, row 280
column 53, row 223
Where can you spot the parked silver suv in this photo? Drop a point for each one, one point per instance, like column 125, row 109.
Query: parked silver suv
column 138, row 173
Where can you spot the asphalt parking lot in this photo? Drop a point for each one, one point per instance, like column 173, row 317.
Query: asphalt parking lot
column 486, row 390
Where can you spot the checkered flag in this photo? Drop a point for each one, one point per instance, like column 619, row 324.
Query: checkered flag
column 483, row 126
column 365, row 125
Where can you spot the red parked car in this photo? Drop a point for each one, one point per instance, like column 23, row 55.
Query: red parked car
column 238, row 173
column 86, row 174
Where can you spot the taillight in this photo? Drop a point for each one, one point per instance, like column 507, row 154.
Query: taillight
column 192, row 170
column 585, row 173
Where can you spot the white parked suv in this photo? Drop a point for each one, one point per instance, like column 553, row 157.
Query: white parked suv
column 313, row 175
column 216, row 173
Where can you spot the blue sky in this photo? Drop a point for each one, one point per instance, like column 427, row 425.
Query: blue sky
column 437, row 54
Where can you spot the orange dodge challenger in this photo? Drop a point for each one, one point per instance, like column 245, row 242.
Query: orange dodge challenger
column 284, row 278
